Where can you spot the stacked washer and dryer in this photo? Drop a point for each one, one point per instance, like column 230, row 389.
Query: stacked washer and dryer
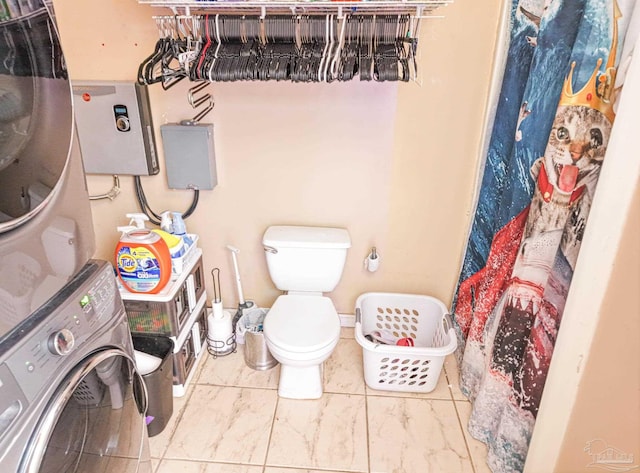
column 70, row 397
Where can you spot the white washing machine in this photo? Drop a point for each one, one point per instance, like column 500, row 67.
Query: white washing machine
column 70, row 397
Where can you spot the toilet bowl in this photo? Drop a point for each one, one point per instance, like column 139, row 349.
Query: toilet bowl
column 301, row 332
column 302, row 328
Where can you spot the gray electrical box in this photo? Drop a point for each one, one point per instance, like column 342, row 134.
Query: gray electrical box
column 115, row 130
column 189, row 156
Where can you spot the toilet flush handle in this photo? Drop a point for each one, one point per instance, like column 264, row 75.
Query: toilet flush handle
column 270, row 249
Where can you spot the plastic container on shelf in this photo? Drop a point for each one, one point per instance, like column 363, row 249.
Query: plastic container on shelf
column 190, row 345
column 143, row 261
column 179, row 263
column 399, row 318
column 179, row 228
column 165, row 312
column 175, row 243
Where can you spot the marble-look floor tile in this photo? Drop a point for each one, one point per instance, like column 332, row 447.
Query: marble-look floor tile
column 453, row 375
column 225, row 424
column 159, row 443
column 202, row 361
column 343, row 370
column 182, row 466
column 415, row 436
column 477, row 449
column 327, row 433
column 231, row 370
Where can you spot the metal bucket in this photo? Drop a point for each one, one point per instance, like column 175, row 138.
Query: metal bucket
column 256, row 354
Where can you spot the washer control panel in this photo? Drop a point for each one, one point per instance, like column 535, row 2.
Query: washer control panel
column 74, row 319
column 61, row 342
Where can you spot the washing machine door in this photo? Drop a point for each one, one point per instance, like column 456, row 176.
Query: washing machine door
column 95, row 423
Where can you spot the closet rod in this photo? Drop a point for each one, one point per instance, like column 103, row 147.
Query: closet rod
column 264, row 12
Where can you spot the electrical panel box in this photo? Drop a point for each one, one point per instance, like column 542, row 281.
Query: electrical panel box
column 189, row 156
column 114, row 126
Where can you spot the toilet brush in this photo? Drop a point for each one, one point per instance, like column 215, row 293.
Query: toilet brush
column 242, row 304
column 220, row 336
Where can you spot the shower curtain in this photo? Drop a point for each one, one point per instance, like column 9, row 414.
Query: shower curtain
column 552, row 124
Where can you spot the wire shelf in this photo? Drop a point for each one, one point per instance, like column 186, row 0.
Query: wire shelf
column 419, row 8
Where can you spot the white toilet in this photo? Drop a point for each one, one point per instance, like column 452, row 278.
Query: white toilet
column 302, row 328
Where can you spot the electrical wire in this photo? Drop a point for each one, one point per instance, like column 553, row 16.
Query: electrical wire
column 154, row 218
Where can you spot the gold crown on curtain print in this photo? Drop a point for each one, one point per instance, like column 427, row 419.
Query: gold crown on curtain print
column 598, row 93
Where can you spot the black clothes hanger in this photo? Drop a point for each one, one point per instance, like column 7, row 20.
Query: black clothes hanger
column 299, row 48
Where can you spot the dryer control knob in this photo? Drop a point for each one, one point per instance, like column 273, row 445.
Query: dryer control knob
column 61, row 342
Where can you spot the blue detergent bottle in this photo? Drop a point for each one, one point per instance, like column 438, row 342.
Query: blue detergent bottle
column 180, row 229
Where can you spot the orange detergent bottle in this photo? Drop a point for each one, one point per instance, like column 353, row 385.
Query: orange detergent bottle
column 143, row 261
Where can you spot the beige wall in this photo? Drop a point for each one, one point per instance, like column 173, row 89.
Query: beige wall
column 395, row 164
column 607, row 407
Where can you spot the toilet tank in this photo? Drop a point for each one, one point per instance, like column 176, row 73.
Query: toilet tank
column 306, row 259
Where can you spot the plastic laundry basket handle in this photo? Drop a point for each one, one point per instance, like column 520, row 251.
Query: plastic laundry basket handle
column 447, row 323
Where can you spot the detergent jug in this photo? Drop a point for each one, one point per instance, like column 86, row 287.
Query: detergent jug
column 143, row 259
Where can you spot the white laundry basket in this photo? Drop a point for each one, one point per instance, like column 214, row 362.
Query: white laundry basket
column 424, row 319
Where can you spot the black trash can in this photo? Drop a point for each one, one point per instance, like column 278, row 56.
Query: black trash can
column 159, row 382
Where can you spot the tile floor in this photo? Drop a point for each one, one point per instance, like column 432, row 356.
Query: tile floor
column 232, row 421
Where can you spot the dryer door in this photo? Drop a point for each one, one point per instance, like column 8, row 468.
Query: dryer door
column 46, row 229
column 95, row 422
column 36, row 116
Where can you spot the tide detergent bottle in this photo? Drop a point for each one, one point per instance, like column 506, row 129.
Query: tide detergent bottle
column 143, row 259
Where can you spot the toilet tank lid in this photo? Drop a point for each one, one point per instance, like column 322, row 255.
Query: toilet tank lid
column 286, row 236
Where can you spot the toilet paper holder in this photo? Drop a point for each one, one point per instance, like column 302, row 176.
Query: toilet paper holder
column 372, row 261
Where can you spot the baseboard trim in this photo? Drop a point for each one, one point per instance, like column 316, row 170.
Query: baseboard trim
column 347, row 320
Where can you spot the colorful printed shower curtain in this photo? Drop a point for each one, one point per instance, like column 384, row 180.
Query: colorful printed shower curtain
column 549, row 137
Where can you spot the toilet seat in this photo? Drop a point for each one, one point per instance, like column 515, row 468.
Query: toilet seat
column 302, row 323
